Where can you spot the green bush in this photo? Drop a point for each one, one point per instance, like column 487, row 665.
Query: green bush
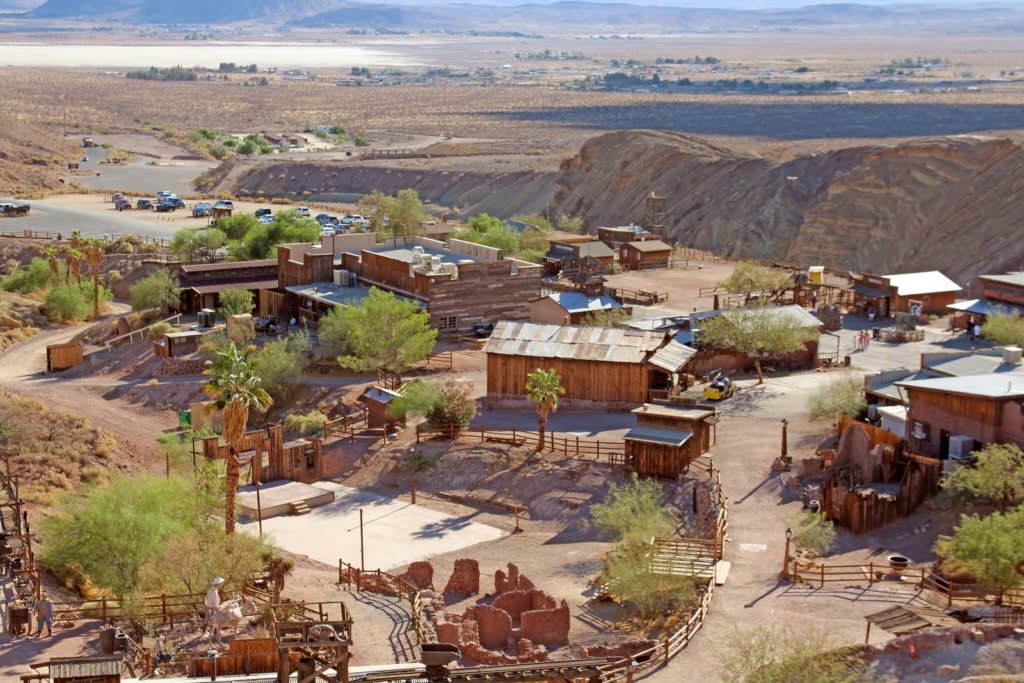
column 310, row 424
column 633, row 512
column 235, row 302
column 631, row 581
column 157, row 290
column 814, row 534
column 261, row 241
column 158, row 330
column 842, row 396
column 773, row 655
column 279, row 364
column 29, row 278
column 67, row 304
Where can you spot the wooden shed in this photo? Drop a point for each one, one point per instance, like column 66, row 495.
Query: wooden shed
column 182, row 343
column 600, row 367
column 86, row 669
column 644, row 255
column 63, row 356
column 376, row 401
column 667, row 438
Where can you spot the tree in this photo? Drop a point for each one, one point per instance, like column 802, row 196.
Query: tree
column 567, row 223
column 492, row 232
column 753, row 280
column 609, row 317
column 987, row 548
column 774, row 655
column 406, row 214
column 280, row 363
column 94, row 255
column 156, row 290
column 543, row 387
column 235, row 302
column 376, row 206
column 236, row 389
column 448, row 406
column 484, row 223
column 261, row 242
column 634, row 512
column 997, row 477
column 756, row 331
column 192, row 244
column 34, row 277
column 235, row 228
column 383, row 333
column 66, row 304
column 1006, row 329
column 842, row 396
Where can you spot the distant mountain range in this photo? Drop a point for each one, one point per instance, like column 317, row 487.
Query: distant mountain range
column 538, row 17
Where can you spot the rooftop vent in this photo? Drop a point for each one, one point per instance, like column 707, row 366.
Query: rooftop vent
column 1012, row 355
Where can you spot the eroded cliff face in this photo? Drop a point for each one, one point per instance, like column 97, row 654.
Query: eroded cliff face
column 952, row 204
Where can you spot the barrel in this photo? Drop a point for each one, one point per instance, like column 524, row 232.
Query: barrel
column 120, row 641
column 107, row 640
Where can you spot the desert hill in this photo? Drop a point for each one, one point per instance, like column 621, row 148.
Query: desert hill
column 32, row 159
column 950, row 203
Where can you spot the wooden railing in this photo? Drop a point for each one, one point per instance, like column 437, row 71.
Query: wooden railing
column 636, row 296
column 141, row 332
column 922, row 578
column 377, row 581
column 564, row 444
column 167, row 609
column 345, row 426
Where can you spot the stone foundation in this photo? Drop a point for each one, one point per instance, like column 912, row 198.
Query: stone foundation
column 465, row 579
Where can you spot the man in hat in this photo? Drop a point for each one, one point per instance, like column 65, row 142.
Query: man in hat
column 212, row 601
column 44, row 615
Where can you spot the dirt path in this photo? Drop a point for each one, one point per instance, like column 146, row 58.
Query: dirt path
column 23, row 370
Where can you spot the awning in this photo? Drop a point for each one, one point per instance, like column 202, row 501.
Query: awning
column 673, row 356
column 985, row 307
column 660, row 436
column 870, row 292
column 225, row 286
column 904, row 619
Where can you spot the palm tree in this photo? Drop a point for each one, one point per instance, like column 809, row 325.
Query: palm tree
column 73, row 259
column 51, row 258
column 543, row 387
column 94, row 254
column 236, row 389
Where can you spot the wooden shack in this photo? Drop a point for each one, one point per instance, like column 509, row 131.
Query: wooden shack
column 300, row 460
column 86, row 669
column 63, row 356
column 376, row 401
column 644, row 255
column 667, row 438
column 181, row 343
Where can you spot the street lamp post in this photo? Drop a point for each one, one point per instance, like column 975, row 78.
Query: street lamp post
column 785, row 442
column 785, row 561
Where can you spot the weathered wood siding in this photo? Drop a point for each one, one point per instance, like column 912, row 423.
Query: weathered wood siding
column 616, row 384
column 63, row 356
column 654, row 460
column 485, row 293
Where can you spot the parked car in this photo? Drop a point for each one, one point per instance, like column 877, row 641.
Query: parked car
column 266, row 218
column 224, row 204
column 178, row 203
column 117, row 195
column 165, row 194
column 327, row 231
column 303, row 211
column 347, row 219
column 144, row 204
column 122, row 204
column 322, row 218
column 202, row 209
column 163, row 207
column 263, row 211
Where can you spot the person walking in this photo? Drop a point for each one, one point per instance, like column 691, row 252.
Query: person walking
column 44, row 615
column 977, row 330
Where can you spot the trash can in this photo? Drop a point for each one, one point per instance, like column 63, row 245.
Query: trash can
column 107, row 640
column 185, row 419
column 120, row 641
column 876, row 332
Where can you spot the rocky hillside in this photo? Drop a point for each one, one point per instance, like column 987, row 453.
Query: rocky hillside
column 948, row 203
column 469, row 191
column 32, row 159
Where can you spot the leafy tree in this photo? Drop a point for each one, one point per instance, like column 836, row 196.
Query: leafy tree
column 185, row 563
column 406, row 213
column 192, row 244
column 534, row 239
column 382, row 333
column 94, row 255
column 631, row 580
column 988, row 548
column 997, row 477
column 774, row 655
column 156, row 290
column 543, row 387
column 484, row 223
column 498, row 235
column 235, row 302
column 34, row 277
column 753, row 280
column 66, row 304
column 237, row 389
column 376, row 206
column 756, row 331
column 235, row 228
column 842, row 396
column 279, row 364
column 1004, row 328
column 261, row 242
column 634, row 512
column 445, row 406
column 567, row 223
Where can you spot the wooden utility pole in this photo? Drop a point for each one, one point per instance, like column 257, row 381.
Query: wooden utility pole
column 362, row 560
column 412, row 452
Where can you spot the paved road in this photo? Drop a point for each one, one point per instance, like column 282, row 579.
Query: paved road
column 56, row 217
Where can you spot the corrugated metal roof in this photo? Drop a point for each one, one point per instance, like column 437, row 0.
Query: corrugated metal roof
column 81, row 667
column 986, row 307
column 648, row 245
column 797, row 314
column 225, row 286
column 962, row 365
column 577, row 302
column 674, row 355
column 928, row 282
column 662, row 410
column 379, row 394
column 602, row 344
column 996, row 386
column 1015, row 279
column 658, row 435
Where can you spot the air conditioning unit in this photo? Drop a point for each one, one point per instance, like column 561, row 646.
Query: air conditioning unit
column 450, row 269
column 960, row 447
column 1012, row 355
column 435, row 263
column 872, row 412
column 207, row 317
column 341, row 278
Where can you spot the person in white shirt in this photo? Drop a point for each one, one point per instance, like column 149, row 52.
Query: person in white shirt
column 212, row 601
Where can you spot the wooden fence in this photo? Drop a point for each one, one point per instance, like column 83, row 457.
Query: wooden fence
column 942, row 590
column 345, row 426
column 167, row 609
column 130, row 337
column 635, row 296
column 377, row 581
column 568, row 445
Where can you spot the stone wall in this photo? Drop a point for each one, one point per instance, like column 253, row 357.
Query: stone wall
column 182, row 366
column 465, row 578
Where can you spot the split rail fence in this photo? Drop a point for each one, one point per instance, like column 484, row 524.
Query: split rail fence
column 382, row 583
column 565, row 444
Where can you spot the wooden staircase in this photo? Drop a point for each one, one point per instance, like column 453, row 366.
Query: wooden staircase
column 299, row 508
column 684, row 557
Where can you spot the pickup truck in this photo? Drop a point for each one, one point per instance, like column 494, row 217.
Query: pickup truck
column 11, row 209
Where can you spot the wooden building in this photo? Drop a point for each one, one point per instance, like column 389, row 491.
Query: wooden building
column 645, row 255
column 460, row 284
column 951, row 417
column 572, row 308
column 1002, row 293
column 924, row 293
column 63, row 356
column 299, row 460
column 376, row 401
column 201, row 283
column 567, row 256
column 667, row 438
column 623, row 234
column 600, row 367
column 105, row 669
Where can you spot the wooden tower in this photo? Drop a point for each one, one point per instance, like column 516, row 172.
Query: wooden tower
column 654, row 215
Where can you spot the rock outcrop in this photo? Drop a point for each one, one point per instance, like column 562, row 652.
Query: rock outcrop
column 881, row 208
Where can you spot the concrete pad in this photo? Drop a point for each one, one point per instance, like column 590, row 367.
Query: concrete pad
column 395, row 532
column 276, row 498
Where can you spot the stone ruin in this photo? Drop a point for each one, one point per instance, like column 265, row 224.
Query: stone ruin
column 516, row 624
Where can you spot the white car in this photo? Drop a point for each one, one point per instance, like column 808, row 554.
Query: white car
column 303, row 211
column 326, row 231
column 164, row 194
column 266, row 218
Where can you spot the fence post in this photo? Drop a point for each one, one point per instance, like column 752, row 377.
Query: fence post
column 822, row 574
column 481, row 433
column 513, row 436
column 871, row 573
column 577, row 445
column 666, row 650
column 103, row 609
column 598, row 457
column 163, row 606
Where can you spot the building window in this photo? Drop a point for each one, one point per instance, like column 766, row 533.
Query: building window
column 448, row 324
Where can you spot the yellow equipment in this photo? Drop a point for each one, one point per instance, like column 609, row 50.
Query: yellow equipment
column 721, row 387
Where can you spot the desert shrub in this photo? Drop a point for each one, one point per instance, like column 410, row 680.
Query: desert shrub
column 987, row 548
column 157, row 290
column 235, row 302
column 997, row 477
column 279, row 364
column 283, row 201
column 842, row 396
column 774, row 655
column 149, row 248
column 261, row 242
column 443, row 406
column 633, row 512
column 185, row 563
column 30, row 278
column 113, row 277
column 631, row 581
column 310, row 424
column 67, row 304
column 158, row 330
column 813, row 534
column 237, row 227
